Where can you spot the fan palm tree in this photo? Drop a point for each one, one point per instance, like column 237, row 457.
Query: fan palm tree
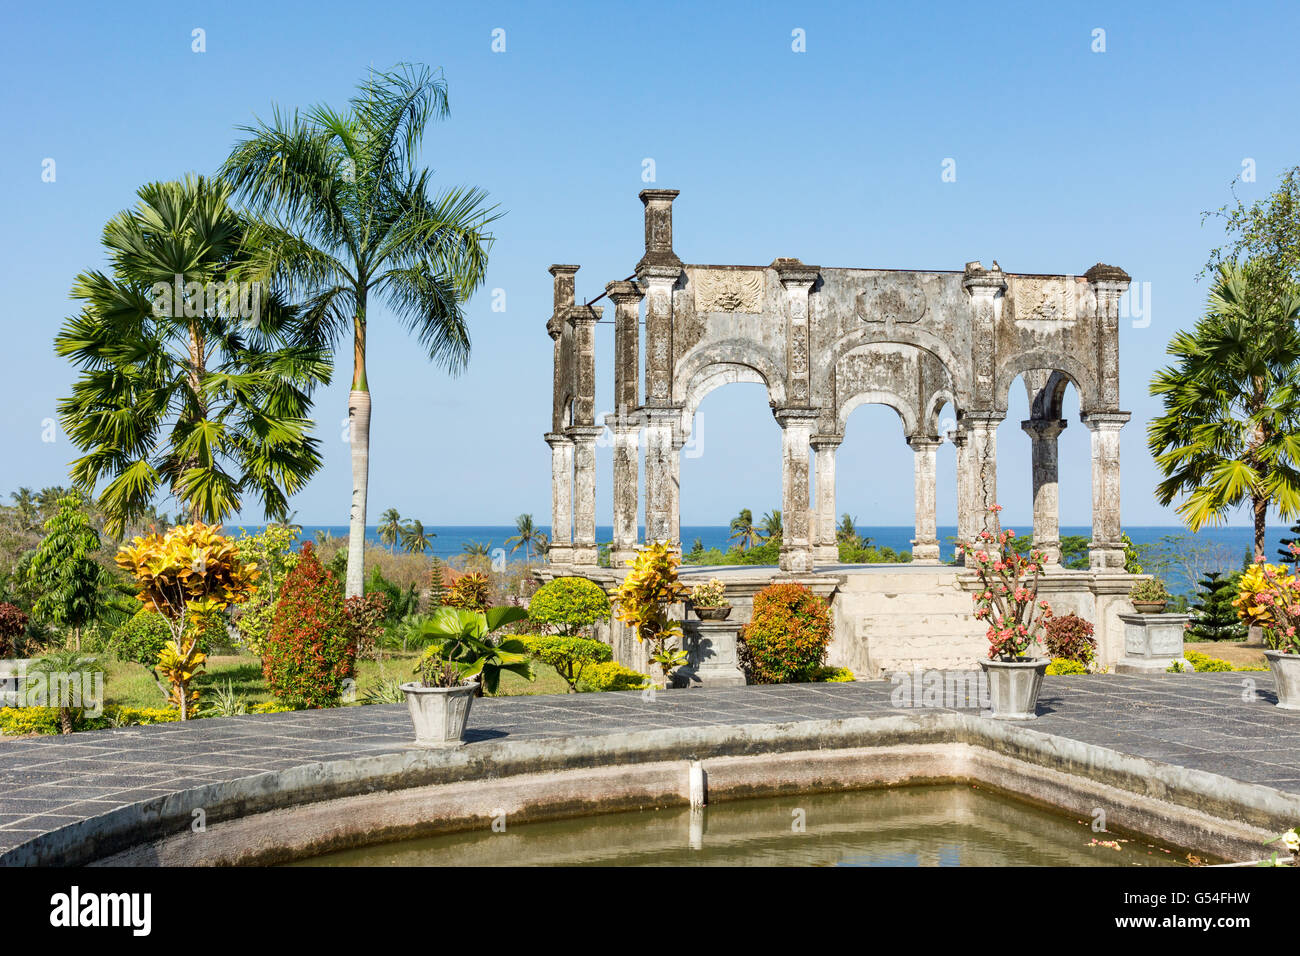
column 1230, row 432
column 772, row 528
column 350, row 222
column 178, row 390
column 415, row 538
column 390, row 528
column 743, row 531
column 526, row 537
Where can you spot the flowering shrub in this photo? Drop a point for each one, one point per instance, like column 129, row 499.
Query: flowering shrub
column 309, row 651
column 786, row 639
column 1008, row 597
column 1269, row 597
column 1070, row 637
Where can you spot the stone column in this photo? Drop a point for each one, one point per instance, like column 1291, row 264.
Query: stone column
column 797, row 279
column 982, row 469
column 626, row 421
column 961, row 444
column 796, row 433
column 925, row 546
column 584, row 493
column 1108, row 283
column 1106, row 549
column 675, row 488
column 659, row 474
column 826, row 550
column 1043, row 434
column 561, row 552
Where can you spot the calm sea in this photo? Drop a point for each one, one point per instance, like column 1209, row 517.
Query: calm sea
column 1230, row 543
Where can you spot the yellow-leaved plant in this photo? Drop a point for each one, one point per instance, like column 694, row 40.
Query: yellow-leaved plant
column 644, row 599
column 1268, row 596
column 187, row 575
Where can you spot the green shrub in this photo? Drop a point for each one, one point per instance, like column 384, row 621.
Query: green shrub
column 833, row 675
column 786, row 639
column 141, row 638
column 570, row 656
column 309, row 651
column 24, row 721
column 1205, row 664
column 611, row 676
column 570, row 605
column 1064, row 665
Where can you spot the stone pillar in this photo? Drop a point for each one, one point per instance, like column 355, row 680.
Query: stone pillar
column 626, row 421
column 1108, row 284
column 796, row 433
column 1106, row 549
column 584, row 493
column 797, row 279
column 925, row 546
column 982, row 470
column 659, row 474
column 826, row 550
column 961, row 443
column 1043, row 434
column 561, row 552
column 675, row 488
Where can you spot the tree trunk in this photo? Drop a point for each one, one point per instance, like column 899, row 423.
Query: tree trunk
column 1260, row 508
column 359, row 440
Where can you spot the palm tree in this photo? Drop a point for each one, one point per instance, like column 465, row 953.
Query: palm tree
column 415, row 538
column 476, row 549
column 541, row 544
column 1230, row 432
column 526, row 538
column 390, row 528
column 847, row 532
column 743, row 531
column 349, row 217
column 25, row 504
column 178, row 390
column 772, row 529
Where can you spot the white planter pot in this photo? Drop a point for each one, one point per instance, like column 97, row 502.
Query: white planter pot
column 1014, row 687
column 439, row 713
column 1286, row 675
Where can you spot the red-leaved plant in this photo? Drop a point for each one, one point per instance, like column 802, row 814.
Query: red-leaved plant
column 310, row 649
column 1008, row 596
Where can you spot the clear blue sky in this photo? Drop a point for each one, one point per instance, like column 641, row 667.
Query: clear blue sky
column 1064, row 158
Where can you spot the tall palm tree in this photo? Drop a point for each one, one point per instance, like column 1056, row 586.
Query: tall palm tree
column 390, row 528
column 415, row 538
column 772, row 528
column 526, row 537
column 25, row 505
column 847, row 532
column 743, row 531
column 348, row 217
column 179, row 390
column 1230, row 432
column 542, row 545
column 476, row 549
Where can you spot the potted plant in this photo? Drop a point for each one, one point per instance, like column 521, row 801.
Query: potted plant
column 709, row 601
column 1149, row 596
column 461, row 659
column 1269, row 597
column 1007, row 600
column 645, row 598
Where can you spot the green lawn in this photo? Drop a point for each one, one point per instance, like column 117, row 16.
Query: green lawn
column 132, row 685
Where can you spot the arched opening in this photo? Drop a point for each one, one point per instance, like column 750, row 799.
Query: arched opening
column 731, row 434
column 875, row 470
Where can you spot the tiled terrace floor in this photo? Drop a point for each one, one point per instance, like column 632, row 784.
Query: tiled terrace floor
column 1200, row 721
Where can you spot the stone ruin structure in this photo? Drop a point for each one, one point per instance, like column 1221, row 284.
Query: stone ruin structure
column 824, row 341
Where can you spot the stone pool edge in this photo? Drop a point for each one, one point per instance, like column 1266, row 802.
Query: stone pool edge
column 316, row 807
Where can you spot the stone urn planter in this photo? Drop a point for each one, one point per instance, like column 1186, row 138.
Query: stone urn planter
column 712, row 613
column 1286, row 675
column 439, row 713
column 1152, row 642
column 1014, row 686
column 1150, row 607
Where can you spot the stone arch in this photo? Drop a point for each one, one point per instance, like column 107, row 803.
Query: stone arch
column 879, row 397
column 1071, row 370
column 701, row 371
column 1046, row 388
column 918, row 338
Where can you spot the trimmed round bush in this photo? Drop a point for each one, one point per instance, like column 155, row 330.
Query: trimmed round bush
column 309, row 651
column 141, row 638
column 1064, row 666
column 611, row 676
column 1070, row 637
column 569, row 605
column 785, row 641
